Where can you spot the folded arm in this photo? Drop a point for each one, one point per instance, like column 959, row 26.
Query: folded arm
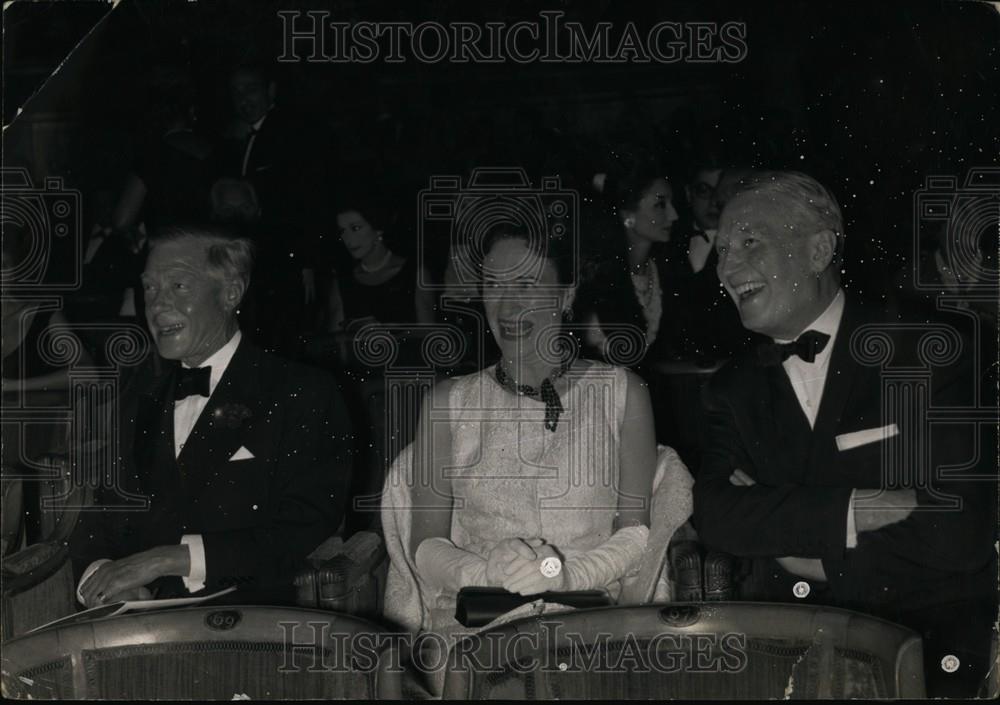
column 755, row 520
column 760, row 520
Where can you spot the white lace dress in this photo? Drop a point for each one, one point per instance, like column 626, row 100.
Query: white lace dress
column 512, row 477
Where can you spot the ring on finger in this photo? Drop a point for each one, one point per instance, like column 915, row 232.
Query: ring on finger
column 550, row 567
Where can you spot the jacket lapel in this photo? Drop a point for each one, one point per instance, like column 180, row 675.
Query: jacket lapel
column 226, row 422
column 763, row 426
column 790, row 425
column 154, row 434
column 839, row 384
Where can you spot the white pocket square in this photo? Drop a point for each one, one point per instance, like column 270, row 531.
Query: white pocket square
column 242, row 454
column 846, row 441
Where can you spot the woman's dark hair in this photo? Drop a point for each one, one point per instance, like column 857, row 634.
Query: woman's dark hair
column 628, row 179
column 559, row 251
column 371, row 208
column 604, row 290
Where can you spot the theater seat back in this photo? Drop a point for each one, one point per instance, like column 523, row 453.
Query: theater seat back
column 711, row 650
column 201, row 653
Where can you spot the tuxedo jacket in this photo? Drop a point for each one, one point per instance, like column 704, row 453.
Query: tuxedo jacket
column 262, row 477
column 805, row 476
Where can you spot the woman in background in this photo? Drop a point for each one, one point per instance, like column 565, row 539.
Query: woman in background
column 626, row 277
column 382, row 284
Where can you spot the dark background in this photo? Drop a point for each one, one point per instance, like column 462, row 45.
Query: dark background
column 870, row 98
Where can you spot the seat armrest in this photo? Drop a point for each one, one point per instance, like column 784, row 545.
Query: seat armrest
column 720, row 577
column 32, row 566
column 345, row 577
column 686, row 570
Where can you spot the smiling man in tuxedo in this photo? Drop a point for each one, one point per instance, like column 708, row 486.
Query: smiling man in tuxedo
column 798, row 434
column 244, row 458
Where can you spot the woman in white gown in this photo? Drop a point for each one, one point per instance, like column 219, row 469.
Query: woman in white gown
column 539, row 456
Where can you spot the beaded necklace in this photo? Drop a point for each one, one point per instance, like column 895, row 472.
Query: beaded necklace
column 650, row 299
column 546, row 392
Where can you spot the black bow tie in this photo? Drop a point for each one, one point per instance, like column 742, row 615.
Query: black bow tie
column 190, row 381
column 807, row 346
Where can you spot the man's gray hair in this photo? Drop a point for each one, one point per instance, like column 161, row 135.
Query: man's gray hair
column 811, row 207
column 229, row 255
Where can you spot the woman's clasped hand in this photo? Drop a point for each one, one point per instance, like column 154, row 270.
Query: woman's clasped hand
column 516, row 565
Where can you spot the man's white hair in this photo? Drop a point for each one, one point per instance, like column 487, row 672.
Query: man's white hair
column 229, row 257
column 809, row 206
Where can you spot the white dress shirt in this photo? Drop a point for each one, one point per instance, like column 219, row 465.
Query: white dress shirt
column 186, row 413
column 809, row 378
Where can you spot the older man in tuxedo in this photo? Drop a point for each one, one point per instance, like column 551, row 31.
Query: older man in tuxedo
column 244, row 458
column 801, row 442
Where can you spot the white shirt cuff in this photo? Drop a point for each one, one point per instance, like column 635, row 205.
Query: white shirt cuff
column 91, row 569
column 852, row 531
column 195, row 579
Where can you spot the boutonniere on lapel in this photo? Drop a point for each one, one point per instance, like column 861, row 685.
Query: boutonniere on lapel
column 230, row 415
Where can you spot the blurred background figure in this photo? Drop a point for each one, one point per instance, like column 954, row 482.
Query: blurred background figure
column 708, row 326
column 939, row 275
column 235, row 205
column 170, row 179
column 234, row 202
column 29, row 352
column 279, row 155
column 168, row 182
column 381, row 284
column 37, row 345
column 626, row 280
column 112, row 263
